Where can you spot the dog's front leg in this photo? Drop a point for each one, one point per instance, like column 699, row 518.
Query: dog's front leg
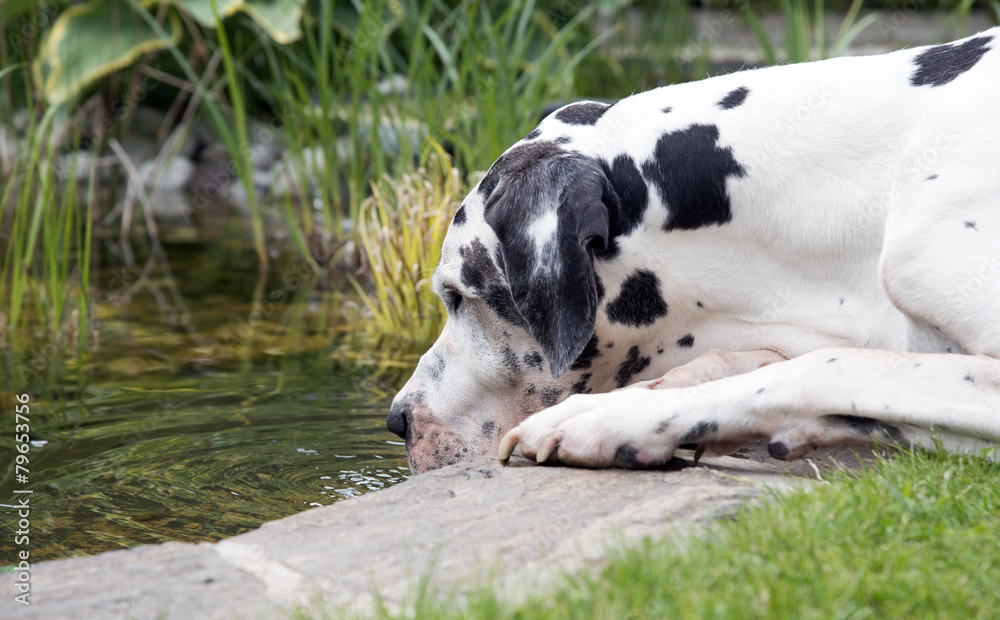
column 632, row 428
column 712, row 365
column 826, row 397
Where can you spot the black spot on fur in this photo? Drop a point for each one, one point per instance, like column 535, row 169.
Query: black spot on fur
column 530, row 390
column 639, row 303
column 971, row 225
column 760, row 391
column 580, row 387
column 435, row 370
column 686, row 342
column 585, row 113
column 630, row 199
column 734, row 98
column 563, row 140
column 533, row 360
column 489, row 427
column 586, row 358
column 667, row 110
column 480, row 273
column 550, row 396
column 627, row 456
column 699, row 305
column 510, row 360
column 661, row 427
column 831, row 360
column 459, row 218
column 938, row 65
column 841, row 302
column 531, row 135
column 932, row 177
column 600, row 288
column 632, row 366
column 700, row 430
column 609, row 345
column 689, row 170
column 969, row 378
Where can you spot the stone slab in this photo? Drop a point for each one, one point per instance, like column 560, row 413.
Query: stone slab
column 519, row 526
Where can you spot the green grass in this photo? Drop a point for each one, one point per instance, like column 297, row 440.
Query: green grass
column 917, row 537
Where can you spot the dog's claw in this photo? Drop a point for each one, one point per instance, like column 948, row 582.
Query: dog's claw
column 547, row 447
column 698, row 452
column 508, row 443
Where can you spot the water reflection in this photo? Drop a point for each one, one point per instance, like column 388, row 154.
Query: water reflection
column 234, row 402
column 207, row 468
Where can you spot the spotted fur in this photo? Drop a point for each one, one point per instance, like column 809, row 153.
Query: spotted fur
column 730, row 232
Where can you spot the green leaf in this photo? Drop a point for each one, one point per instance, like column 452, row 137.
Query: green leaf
column 280, row 19
column 763, row 38
column 89, row 41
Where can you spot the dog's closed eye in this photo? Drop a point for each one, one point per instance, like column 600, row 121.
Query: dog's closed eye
column 452, row 300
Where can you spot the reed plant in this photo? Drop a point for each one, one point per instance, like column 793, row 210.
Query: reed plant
column 806, row 36
column 46, row 235
column 368, row 90
column 400, row 230
column 806, row 31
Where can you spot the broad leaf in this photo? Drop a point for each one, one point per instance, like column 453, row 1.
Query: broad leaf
column 91, row 40
column 280, row 19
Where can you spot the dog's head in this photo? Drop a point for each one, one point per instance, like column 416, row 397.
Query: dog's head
column 526, row 322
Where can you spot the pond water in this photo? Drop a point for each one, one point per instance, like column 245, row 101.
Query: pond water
column 200, row 415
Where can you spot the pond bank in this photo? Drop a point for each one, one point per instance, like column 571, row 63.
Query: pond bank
column 523, row 525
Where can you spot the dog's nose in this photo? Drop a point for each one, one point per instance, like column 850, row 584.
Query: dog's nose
column 396, row 420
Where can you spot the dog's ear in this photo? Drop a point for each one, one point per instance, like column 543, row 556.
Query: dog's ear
column 550, row 216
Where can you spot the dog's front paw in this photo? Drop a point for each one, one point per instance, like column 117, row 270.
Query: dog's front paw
column 599, row 430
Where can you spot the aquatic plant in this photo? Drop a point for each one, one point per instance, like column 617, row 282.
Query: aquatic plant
column 400, row 231
column 46, row 236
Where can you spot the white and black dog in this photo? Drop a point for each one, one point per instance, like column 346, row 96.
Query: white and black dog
column 808, row 254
